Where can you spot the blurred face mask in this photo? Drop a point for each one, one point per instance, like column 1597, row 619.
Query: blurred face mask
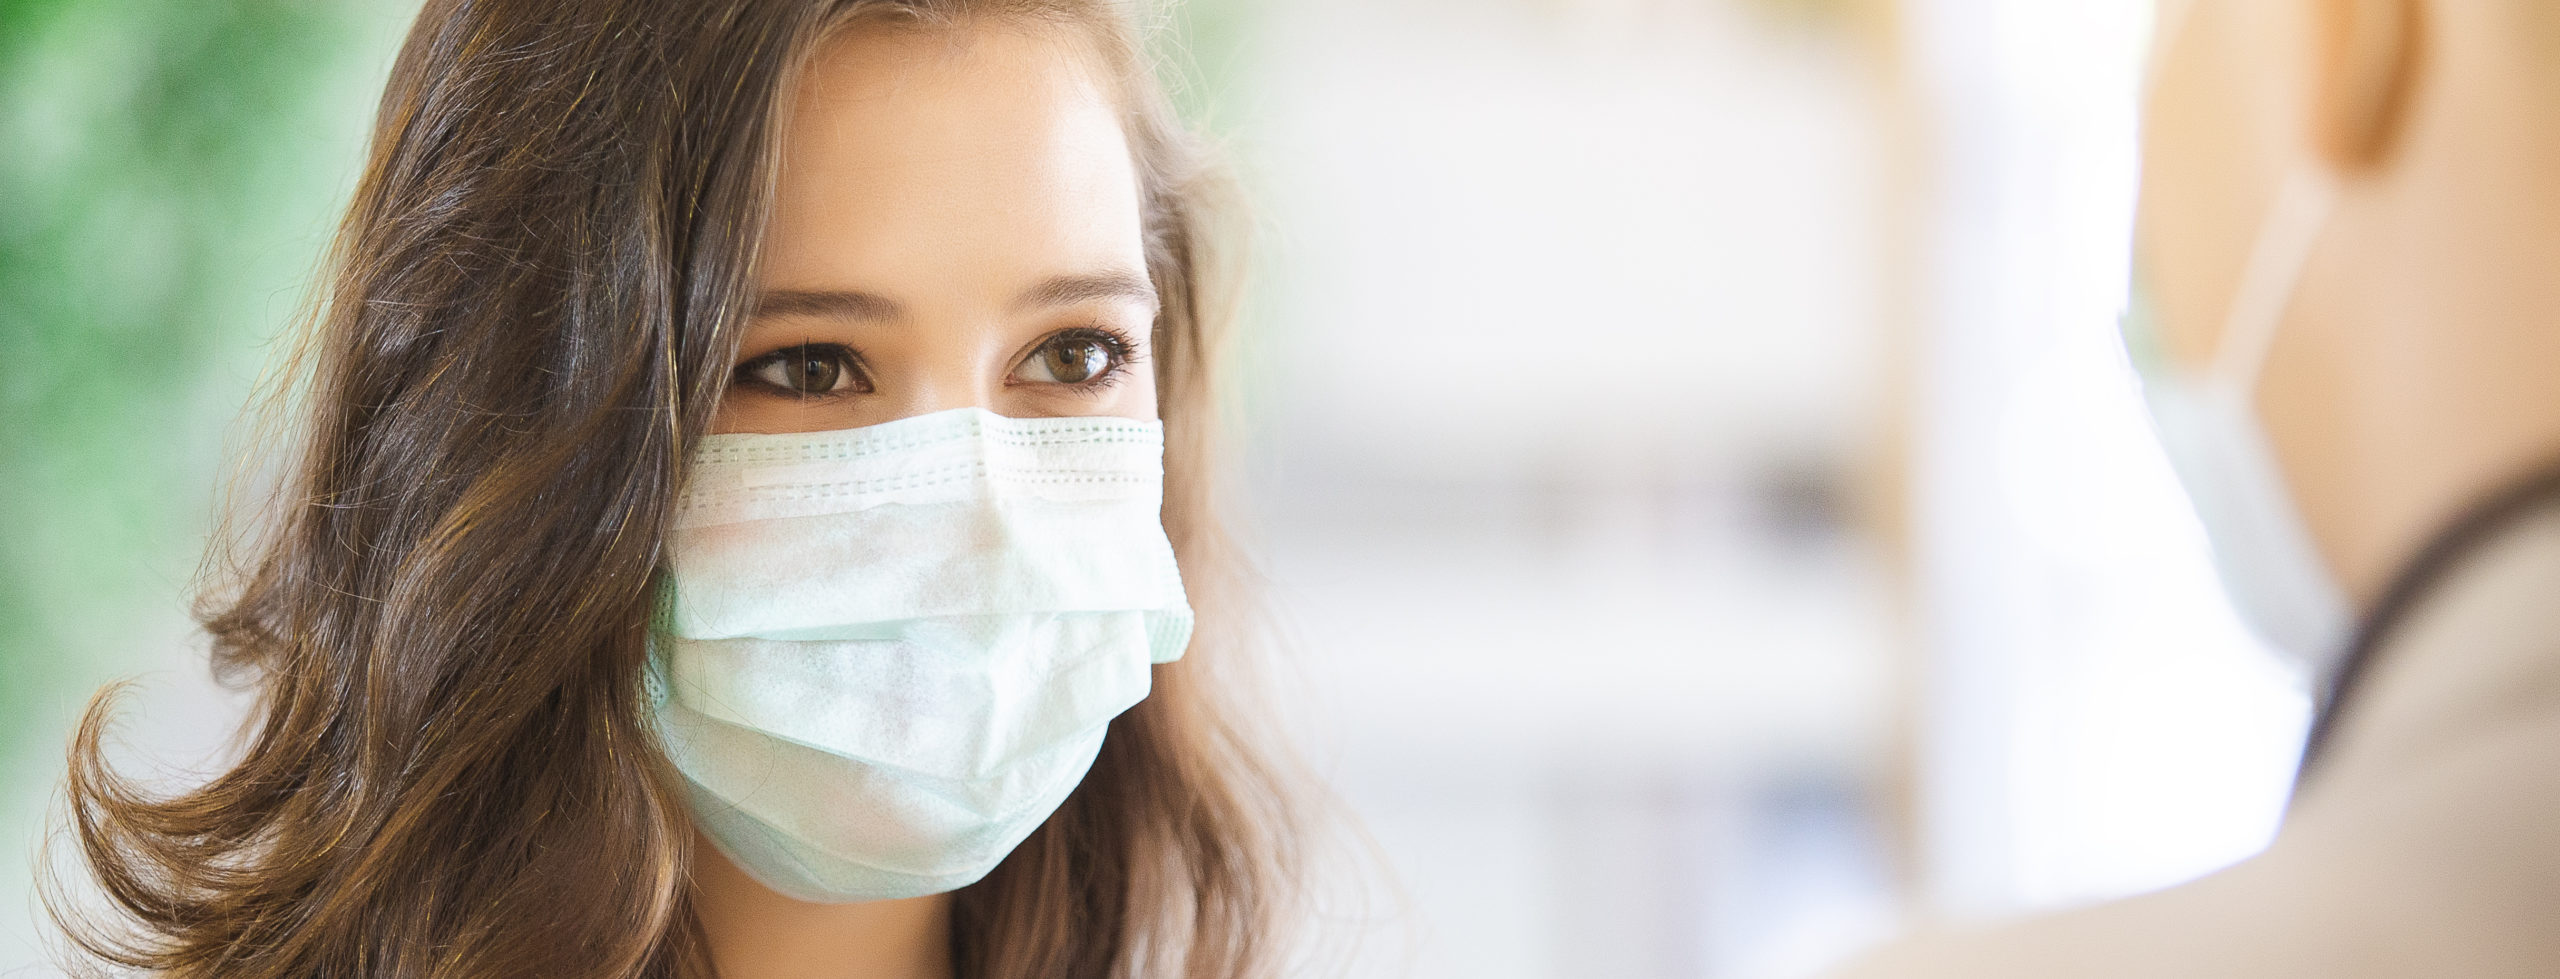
column 885, row 655
column 2209, row 425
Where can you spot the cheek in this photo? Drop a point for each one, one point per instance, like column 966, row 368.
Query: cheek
column 1142, row 401
column 1134, row 397
column 2206, row 182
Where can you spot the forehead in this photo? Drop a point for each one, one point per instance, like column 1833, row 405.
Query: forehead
column 992, row 148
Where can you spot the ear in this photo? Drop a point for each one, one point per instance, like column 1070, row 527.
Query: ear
column 2367, row 60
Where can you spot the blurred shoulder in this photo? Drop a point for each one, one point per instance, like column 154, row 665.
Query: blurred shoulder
column 2242, row 922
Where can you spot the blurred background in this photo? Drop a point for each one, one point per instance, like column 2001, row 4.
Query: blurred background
column 1711, row 519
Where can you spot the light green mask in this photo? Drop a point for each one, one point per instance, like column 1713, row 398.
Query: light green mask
column 885, row 655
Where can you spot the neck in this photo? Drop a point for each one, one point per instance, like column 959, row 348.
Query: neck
column 755, row 933
column 2465, row 650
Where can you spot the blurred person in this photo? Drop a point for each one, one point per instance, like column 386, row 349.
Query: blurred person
column 749, row 448
column 2349, row 326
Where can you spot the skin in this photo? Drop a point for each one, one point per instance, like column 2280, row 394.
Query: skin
column 934, row 185
column 956, row 225
column 2413, row 372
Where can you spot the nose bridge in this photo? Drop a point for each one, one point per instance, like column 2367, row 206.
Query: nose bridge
column 956, row 363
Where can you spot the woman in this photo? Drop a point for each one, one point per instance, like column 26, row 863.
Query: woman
column 728, row 526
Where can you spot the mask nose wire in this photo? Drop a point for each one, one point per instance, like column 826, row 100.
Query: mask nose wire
column 2294, row 222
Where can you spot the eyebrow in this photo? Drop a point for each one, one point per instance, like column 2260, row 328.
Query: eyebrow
column 1064, row 290
column 1069, row 290
column 826, row 304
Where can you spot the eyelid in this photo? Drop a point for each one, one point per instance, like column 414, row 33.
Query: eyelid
column 1118, row 340
column 828, row 345
column 1125, row 351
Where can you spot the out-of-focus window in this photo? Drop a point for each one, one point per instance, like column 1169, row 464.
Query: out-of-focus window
column 1563, row 396
column 2095, row 721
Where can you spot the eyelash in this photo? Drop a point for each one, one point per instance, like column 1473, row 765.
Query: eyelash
column 1124, row 357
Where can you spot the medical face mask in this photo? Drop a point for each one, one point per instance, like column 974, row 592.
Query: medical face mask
column 884, row 655
column 2209, row 425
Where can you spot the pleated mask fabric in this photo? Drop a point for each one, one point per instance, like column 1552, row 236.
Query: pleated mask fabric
column 884, row 655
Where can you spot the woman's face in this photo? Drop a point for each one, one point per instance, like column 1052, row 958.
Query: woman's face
column 956, row 225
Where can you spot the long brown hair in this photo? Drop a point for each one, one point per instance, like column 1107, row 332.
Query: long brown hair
column 531, row 311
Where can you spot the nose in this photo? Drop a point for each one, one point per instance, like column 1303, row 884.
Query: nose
column 949, row 375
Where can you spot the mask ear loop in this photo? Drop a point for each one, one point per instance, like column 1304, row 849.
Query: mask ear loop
column 2294, row 224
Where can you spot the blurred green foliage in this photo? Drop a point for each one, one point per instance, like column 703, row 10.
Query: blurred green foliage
column 169, row 173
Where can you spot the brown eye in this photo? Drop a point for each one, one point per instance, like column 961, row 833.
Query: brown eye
column 1071, row 358
column 805, row 370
